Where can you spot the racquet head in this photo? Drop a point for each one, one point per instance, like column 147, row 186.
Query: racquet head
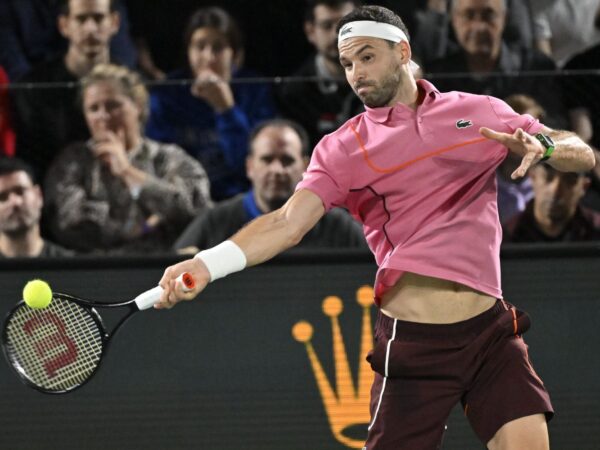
column 55, row 349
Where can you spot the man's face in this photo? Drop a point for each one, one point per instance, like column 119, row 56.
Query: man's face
column 478, row 25
column 557, row 194
column 321, row 33
column 275, row 165
column 89, row 26
column 20, row 203
column 373, row 68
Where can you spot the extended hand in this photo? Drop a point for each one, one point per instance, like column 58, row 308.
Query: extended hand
column 173, row 293
column 521, row 143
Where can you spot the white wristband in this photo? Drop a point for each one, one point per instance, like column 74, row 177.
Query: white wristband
column 223, row 259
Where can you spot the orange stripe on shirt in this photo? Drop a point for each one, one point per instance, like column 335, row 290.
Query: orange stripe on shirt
column 403, row 165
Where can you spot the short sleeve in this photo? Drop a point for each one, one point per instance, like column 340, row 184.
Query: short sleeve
column 328, row 174
column 514, row 120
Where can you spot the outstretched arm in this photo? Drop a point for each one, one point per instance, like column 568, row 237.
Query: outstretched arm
column 571, row 154
column 260, row 240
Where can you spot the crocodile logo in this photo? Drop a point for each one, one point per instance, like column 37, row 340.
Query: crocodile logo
column 462, row 123
column 346, row 31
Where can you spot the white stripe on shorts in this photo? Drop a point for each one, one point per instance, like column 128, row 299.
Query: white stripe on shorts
column 387, row 361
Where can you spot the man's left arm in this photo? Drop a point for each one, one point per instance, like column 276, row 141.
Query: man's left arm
column 569, row 154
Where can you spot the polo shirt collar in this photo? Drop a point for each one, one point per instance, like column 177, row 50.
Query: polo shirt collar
column 382, row 114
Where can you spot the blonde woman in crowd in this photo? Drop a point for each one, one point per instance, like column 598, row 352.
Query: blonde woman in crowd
column 121, row 191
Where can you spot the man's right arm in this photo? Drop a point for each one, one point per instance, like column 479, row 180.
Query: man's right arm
column 259, row 241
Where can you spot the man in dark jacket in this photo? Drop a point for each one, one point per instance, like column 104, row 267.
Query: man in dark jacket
column 277, row 157
column 554, row 214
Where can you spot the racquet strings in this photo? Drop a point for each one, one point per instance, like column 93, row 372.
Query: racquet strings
column 56, row 348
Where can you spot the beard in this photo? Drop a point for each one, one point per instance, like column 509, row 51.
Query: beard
column 16, row 229
column 19, row 223
column 383, row 92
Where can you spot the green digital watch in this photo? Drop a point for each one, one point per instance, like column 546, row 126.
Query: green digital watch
column 548, row 144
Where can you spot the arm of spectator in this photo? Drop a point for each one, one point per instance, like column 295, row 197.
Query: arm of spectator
column 581, row 123
column 77, row 220
column 179, row 190
column 542, row 33
column 234, row 125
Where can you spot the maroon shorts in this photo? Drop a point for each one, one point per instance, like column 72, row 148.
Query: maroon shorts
column 423, row 370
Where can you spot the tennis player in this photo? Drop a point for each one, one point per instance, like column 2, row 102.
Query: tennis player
column 417, row 168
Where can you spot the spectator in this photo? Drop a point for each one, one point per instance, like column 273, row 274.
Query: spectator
column 121, row 191
column 48, row 119
column 278, row 154
column 554, row 214
column 29, row 35
column 212, row 119
column 513, row 195
column 479, row 26
column 583, row 92
column 321, row 106
column 434, row 38
column 584, row 111
column 7, row 134
column 20, row 211
column 567, row 27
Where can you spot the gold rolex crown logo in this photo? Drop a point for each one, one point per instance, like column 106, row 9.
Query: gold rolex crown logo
column 349, row 405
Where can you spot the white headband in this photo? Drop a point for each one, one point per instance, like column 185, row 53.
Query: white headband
column 370, row 28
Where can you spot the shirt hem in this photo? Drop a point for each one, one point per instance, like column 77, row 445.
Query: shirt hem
column 429, row 271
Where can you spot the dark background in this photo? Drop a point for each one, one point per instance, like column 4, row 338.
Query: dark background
column 273, row 29
column 225, row 372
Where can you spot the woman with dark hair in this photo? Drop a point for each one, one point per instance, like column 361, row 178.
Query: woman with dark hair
column 211, row 119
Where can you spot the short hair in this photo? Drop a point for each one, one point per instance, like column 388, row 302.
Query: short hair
column 452, row 5
column 376, row 14
column 309, row 12
column 9, row 165
column 65, row 5
column 281, row 123
column 126, row 80
column 219, row 19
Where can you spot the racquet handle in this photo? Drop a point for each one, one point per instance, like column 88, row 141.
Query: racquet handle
column 150, row 297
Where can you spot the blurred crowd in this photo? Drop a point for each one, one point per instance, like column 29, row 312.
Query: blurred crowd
column 105, row 151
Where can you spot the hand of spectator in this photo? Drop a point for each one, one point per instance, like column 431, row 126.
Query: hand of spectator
column 110, row 149
column 173, row 293
column 521, row 143
column 214, row 90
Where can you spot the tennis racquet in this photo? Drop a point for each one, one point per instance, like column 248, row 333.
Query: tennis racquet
column 59, row 348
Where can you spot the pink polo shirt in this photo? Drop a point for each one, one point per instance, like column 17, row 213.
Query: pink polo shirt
column 423, row 185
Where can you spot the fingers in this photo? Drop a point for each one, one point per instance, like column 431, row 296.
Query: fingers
column 528, row 160
column 173, row 290
column 495, row 135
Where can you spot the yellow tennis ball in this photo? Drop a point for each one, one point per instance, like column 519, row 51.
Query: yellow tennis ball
column 37, row 294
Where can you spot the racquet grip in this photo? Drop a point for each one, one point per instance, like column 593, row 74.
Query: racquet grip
column 150, row 297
